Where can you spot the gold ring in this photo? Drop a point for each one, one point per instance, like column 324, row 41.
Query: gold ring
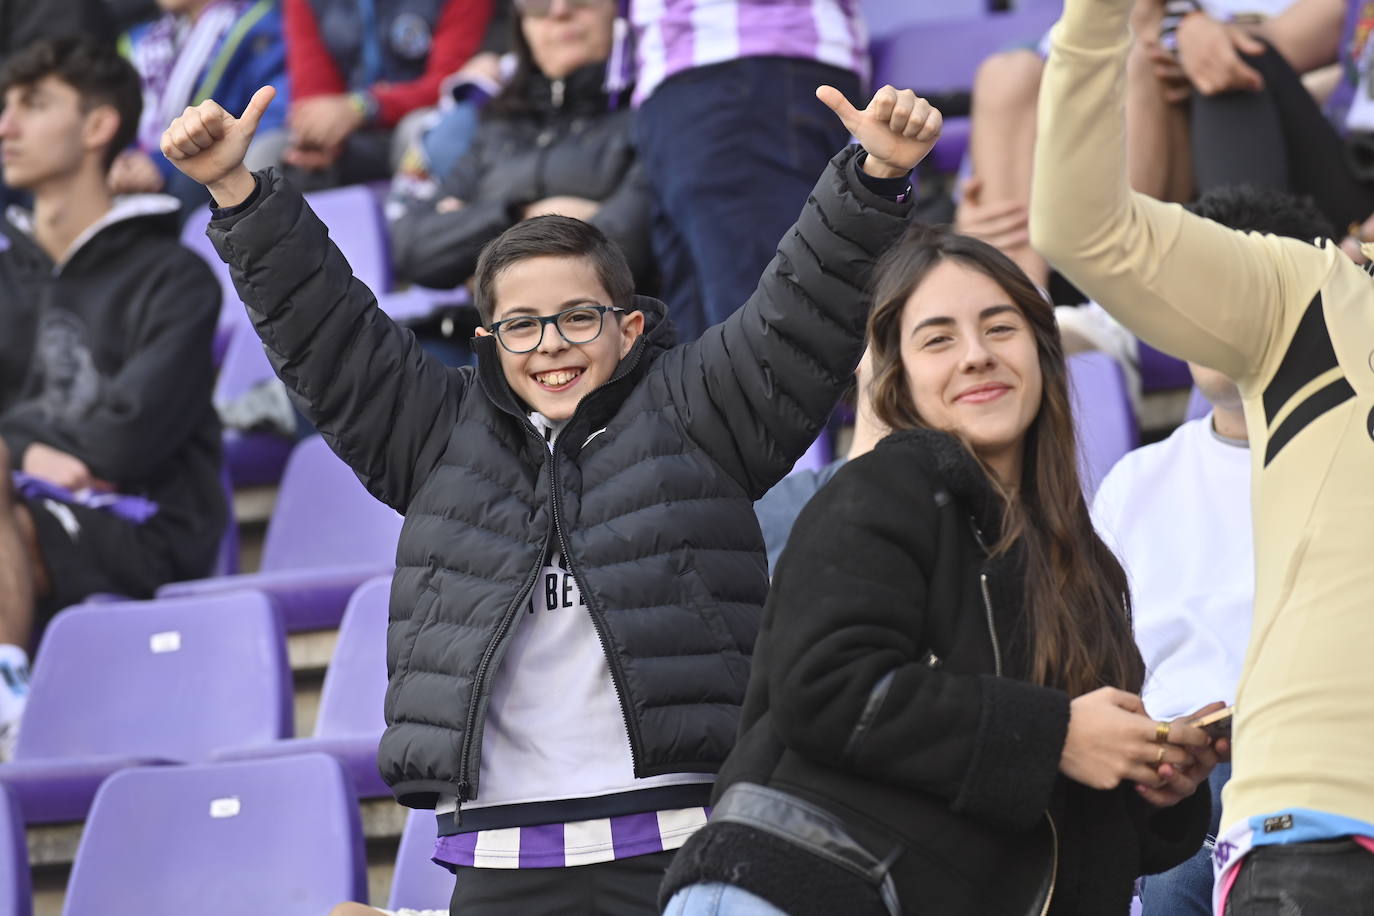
column 1161, row 732
column 1159, row 759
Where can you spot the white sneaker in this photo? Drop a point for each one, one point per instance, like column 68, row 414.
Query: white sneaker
column 14, row 696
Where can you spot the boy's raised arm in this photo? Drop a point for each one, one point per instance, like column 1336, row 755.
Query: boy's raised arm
column 761, row 384
column 1182, row 283
column 378, row 399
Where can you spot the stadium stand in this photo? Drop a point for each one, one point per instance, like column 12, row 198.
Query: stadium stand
column 16, row 894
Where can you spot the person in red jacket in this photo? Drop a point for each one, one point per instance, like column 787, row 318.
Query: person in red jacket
column 357, row 69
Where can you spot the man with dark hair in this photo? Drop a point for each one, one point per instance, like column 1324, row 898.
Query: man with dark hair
column 580, row 576
column 105, row 361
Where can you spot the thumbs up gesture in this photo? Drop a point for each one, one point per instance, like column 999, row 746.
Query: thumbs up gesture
column 208, row 144
column 898, row 128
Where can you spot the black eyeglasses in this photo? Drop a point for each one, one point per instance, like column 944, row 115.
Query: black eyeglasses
column 578, row 325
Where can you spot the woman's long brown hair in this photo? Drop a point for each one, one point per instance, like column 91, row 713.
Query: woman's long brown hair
column 1076, row 594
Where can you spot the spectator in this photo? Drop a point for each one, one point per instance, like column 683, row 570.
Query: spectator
column 726, row 182
column 580, row 572
column 552, row 141
column 198, row 49
column 942, row 715
column 1289, row 322
column 105, row 369
column 362, row 76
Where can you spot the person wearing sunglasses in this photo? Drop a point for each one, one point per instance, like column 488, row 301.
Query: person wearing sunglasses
column 554, row 140
column 580, row 576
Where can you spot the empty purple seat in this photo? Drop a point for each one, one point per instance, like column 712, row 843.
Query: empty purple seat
column 231, row 313
column 942, row 56
column 1104, row 420
column 887, row 16
column 16, row 897
column 141, row 682
column 1161, row 372
column 354, row 219
column 418, row 883
column 327, row 536
column 279, row 837
column 350, row 720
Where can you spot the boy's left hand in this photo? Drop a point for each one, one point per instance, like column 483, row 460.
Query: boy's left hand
column 898, row 128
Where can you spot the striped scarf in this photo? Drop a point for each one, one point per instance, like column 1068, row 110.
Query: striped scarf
column 170, row 60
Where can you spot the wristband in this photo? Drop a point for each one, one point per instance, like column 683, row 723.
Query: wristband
column 365, row 104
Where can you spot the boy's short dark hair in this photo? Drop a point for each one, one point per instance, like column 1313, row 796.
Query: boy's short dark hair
column 553, row 236
column 94, row 69
column 1250, row 208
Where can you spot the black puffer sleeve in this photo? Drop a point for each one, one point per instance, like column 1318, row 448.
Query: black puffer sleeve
column 383, row 404
column 755, row 389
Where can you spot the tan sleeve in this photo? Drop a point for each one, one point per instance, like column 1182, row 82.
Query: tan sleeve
column 1184, row 284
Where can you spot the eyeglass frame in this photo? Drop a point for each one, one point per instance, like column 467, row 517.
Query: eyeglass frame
column 542, row 8
column 545, row 320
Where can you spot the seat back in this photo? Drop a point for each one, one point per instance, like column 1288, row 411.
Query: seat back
column 1104, row 420
column 887, row 16
column 279, row 836
column 172, row 678
column 942, row 56
column 354, row 219
column 355, row 683
column 325, row 517
column 16, row 896
column 417, row 883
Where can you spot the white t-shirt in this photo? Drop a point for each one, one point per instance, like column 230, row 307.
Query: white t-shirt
column 1177, row 515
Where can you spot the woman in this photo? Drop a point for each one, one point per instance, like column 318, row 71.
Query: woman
column 553, row 141
column 942, row 716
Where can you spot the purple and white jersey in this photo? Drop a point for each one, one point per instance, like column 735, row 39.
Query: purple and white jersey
column 580, row 843
column 676, row 35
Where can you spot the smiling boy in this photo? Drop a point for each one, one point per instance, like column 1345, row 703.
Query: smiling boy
column 580, row 575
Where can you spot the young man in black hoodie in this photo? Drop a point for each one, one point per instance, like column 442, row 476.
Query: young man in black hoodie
column 109, row 445
column 580, row 574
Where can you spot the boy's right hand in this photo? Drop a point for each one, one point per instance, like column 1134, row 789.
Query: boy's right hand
column 208, row 144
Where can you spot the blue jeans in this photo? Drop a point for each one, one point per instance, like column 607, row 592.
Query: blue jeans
column 1186, row 889
column 713, row 899
column 733, row 151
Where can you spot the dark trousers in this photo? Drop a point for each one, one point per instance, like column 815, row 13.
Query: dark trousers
column 1278, row 138
column 733, row 150
column 1329, row 878
column 625, row 887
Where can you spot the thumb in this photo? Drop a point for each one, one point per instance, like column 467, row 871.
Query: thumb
column 257, row 107
column 1127, row 701
column 834, row 100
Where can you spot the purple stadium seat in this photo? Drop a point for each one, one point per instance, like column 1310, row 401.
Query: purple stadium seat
column 279, row 837
column 119, row 685
column 418, row 883
column 16, row 897
column 943, row 56
column 1161, row 372
column 350, row 722
column 327, row 536
column 817, row 456
column 1103, row 417
column 887, row 16
column 355, row 223
column 253, row 458
column 231, row 313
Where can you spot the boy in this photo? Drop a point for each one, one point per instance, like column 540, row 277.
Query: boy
column 580, row 575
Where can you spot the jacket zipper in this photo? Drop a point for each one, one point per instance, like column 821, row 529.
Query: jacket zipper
column 1054, row 865
column 617, row 679
column 465, row 782
column 992, row 629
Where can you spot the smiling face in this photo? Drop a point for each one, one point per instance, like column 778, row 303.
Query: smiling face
column 971, row 363
column 555, row 376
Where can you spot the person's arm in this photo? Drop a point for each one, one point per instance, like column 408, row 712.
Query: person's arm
column 1308, row 33
column 756, row 389
column 157, row 397
column 1182, row 283
column 457, row 35
column 384, row 405
column 848, row 681
column 310, row 67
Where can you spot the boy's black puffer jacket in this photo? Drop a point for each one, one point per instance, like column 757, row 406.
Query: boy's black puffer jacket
column 649, row 493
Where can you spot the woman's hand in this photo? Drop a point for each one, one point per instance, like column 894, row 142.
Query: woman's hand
column 897, row 128
column 1175, row 782
column 1210, row 54
column 1112, row 740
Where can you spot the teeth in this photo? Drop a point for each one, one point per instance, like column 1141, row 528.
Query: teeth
column 558, row 378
